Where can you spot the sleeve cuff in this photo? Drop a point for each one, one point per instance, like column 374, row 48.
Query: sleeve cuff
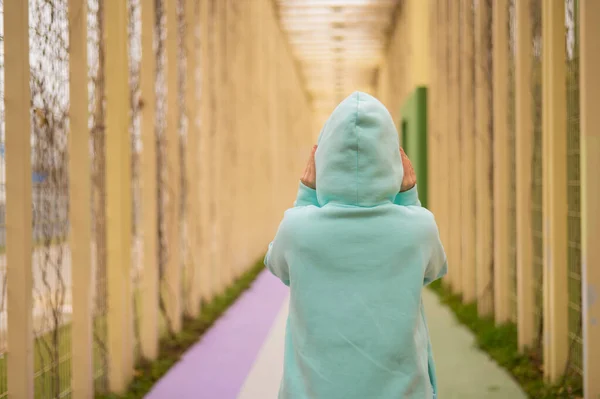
column 408, row 198
column 306, row 196
column 441, row 274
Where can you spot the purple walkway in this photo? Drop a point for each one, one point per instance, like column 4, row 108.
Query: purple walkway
column 216, row 367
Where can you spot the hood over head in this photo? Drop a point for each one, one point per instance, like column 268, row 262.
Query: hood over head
column 358, row 160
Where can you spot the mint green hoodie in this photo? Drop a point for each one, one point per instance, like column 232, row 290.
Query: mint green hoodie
column 356, row 254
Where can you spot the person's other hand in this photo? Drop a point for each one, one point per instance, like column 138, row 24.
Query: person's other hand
column 410, row 177
column 309, row 179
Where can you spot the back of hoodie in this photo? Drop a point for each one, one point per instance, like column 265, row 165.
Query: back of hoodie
column 356, row 254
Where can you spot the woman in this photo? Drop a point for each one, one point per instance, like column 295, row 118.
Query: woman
column 356, row 251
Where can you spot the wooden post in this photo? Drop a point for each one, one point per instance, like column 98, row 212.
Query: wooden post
column 432, row 107
column 172, row 284
column 443, row 186
column 259, row 163
column 483, row 157
column 524, row 176
column 118, row 197
column 227, row 114
column 236, row 21
column 501, row 164
column 82, row 379
column 222, row 136
column 243, row 140
column 216, row 186
column 467, row 155
column 556, row 342
column 275, row 139
column 420, row 68
column 453, row 147
column 214, row 63
column 17, row 97
column 589, row 17
column 205, row 191
column 150, row 289
column 192, row 164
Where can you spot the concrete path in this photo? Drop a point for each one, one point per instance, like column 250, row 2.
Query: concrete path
column 242, row 356
column 263, row 380
column 216, row 367
column 463, row 371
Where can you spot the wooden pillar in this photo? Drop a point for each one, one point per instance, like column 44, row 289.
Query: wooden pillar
column 232, row 143
column 589, row 62
column 524, row 149
column 213, row 61
column 258, row 194
column 275, row 139
column 483, row 158
column 244, row 139
column 454, row 195
column 467, row 154
column 192, row 300
column 80, row 236
column 172, row 284
column 205, row 191
column 501, row 163
column 432, row 107
column 239, row 132
column 150, row 281
column 118, row 197
column 228, row 114
column 217, row 164
column 443, row 186
column 17, row 97
column 554, row 171
column 222, row 139
column 420, row 41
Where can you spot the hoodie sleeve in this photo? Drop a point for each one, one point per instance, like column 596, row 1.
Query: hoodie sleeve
column 408, row 198
column 438, row 264
column 275, row 259
column 306, row 196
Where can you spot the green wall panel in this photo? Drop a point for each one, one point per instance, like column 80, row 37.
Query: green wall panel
column 413, row 136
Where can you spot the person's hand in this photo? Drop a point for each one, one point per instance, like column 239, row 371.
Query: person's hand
column 410, row 178
column 309, row 179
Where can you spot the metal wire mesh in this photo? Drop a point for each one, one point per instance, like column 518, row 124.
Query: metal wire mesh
column 512, row 221
column 49, row 84
column 3, row 281
column 573, row 185
column 96, row 65
column 536, row 204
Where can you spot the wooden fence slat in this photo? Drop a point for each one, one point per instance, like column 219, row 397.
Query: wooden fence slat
column 17, row 97
column 118, row 198
column 554, row 176
column 589, row 17
column 149, row 333
column 501, row 163
column 524, row 149
column 171, row 288
column 80, row 215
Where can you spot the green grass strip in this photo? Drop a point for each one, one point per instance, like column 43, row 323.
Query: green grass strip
column 500, row 342
column 172, row 348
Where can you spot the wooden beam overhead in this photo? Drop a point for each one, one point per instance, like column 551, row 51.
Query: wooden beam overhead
column 338, row 44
